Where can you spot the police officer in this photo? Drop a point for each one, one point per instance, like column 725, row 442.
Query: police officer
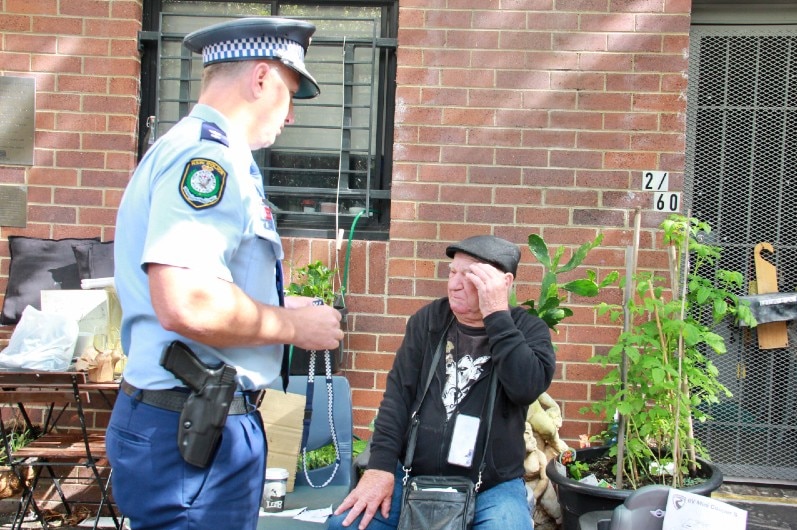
column 198, row 261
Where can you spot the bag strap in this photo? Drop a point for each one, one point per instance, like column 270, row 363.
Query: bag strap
column 415, row 419
column 308, row 411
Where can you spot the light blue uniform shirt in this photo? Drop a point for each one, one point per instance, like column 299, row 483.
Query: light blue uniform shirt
column 193, row 202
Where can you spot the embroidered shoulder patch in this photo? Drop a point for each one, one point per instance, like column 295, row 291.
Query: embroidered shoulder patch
column 202, row 185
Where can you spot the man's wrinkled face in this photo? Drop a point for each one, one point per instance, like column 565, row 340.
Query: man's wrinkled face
column 462, row 294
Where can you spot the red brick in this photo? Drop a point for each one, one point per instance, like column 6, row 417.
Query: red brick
column 492, row 98
column 538, row 216
column 57, row 140
column 603, row 140
column 111, row 104
column 579, row 159
column 422, row 38
column 522, row 79
column 653, row 23
column 110, row 142
column 11, row 22
column 578, row 80
column 51, row 214
column 494, row 137
column 441, row 212
column 634, row 42
column 598, row 217
column 78, row 196
column 520, row 118
column 80, row 159
column 442, row 135
column 492, row 175
column 58, row 25
column 575, row 120
column 556, row 21
column 630, row 121
column 111, row 28
column 549, row 138
column 55, row 63
column 467, row 77
column 30, row 43
column 466, row 154
column 467, row 116
column 603, row 180
column 638, row 161
column 466, row 194
column 606, row 62
column 421, row 115
column 521, row 157
column 658, row 142
column 675, row 62
column 444, row 96
column 15, row 62
column 81, row 122
column 126, row 9
column 86, row 8
column 106, row 66
column 448, row 19
column 82, row 83
column 472, row 39
column 39, row 7
column 53, row 176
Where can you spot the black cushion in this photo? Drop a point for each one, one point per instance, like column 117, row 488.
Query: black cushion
column 94, row 260
column 38, row 264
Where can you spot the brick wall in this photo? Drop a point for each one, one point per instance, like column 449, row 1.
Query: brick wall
column 512, row 117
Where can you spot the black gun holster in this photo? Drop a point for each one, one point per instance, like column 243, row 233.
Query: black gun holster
column 205, row 411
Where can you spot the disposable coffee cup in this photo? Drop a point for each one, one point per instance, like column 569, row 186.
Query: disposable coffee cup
column 275, row 489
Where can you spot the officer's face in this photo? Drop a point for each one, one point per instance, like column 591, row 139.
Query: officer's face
column 276, row 103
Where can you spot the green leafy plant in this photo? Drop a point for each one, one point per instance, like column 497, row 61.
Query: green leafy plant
column 663, row 377
column 578, row 469
column 315, row 280
column 325, row 456
column 549, row 304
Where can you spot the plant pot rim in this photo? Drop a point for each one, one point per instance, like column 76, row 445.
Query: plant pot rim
column 713, row 481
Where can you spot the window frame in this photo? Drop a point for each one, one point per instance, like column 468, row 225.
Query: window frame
column 371, row 225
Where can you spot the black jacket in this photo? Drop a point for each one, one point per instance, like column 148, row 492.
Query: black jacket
column 524, row 361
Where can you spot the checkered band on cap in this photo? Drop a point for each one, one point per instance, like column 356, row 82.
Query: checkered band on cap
column 254, row 47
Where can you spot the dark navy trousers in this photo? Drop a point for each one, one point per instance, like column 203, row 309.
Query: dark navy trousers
column 156, row 489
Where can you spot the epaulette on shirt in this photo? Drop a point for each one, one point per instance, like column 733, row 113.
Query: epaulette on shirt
column 211, row 131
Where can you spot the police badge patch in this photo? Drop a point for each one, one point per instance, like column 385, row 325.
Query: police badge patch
column 202, row 185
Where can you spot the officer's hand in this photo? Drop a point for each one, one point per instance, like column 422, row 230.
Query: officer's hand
column 317, row 327
column 374, row 491
column 492, row 286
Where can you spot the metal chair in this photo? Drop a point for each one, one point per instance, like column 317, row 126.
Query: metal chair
column 319, row 435
column 62, row 440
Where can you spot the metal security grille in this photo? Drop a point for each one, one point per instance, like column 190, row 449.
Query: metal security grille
column 741, row 174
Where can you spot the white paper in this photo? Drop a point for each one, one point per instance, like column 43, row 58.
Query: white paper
column 315, row 516
column 687, row 510
column 284, row 513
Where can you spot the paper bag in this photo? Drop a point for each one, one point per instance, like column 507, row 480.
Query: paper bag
column 282, row 417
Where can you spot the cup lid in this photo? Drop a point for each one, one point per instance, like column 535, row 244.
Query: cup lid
column 276, row 473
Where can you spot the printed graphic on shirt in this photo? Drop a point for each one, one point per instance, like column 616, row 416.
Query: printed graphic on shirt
column 202, row 185
column 460, row 377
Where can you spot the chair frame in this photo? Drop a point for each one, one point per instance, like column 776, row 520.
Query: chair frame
column 57, row 446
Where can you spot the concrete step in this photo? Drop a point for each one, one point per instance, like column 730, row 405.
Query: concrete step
column 768, row 507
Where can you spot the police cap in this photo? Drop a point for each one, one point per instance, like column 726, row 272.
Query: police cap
column 281, row 39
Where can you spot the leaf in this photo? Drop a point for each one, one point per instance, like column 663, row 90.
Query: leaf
column 581, row 253
column 539, row 249
column 582, row 287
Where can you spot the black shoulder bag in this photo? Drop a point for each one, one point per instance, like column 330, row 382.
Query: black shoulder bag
column 433, row 502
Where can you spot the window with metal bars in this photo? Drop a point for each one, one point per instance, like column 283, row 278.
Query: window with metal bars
column 331, row 169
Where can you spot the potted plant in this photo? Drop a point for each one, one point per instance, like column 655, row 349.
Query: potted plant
column 315, row 280
column 662, row 376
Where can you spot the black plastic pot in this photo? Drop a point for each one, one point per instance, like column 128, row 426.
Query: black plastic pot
column 577, row 499
column 300, row 361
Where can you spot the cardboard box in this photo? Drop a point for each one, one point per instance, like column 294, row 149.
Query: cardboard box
column 282, row 417
column 93, row 309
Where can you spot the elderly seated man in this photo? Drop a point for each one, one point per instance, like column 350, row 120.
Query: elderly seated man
column 482, row 335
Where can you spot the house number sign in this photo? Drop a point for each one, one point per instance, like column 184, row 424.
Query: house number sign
column 17, row 112
column 664, row 200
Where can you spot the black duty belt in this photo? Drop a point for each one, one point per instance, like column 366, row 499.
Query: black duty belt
column 174, row 400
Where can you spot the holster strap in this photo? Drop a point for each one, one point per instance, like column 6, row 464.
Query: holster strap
column 174, row 399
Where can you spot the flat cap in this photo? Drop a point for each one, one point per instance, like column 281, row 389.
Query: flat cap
column 280, row 39
column 498, row 252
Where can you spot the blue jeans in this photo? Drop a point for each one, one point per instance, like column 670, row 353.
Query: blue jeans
column 156, row 489
column 502, row 507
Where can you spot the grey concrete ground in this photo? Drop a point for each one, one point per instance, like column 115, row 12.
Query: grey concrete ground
column 768, row 507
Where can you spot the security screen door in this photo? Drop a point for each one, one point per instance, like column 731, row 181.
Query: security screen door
column 741, row 177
